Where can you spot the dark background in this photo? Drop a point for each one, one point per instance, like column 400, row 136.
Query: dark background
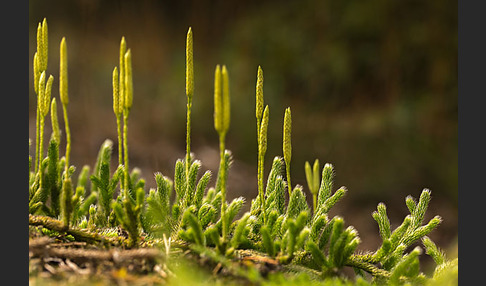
column 372, row 87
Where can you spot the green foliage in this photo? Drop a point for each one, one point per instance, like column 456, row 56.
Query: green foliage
column 200, row 215
column 194, row 231
column 67, row 201
column 128, row 212
column 158, row 212
column 410, row 231
column 312, row 176
column 104, row 184
column 241, row 232
column 201, row 189
column 52, row 181
column 297, row 202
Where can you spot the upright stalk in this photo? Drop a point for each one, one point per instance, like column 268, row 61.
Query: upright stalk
column 259, row 117
column 221, row 124
column 287, row 146
column 40, row 65
column 262, row 149
column 189, row 95
column 223, row 186
column 37, row 119
column 67, row 189
column 44, row 104
column 128, row 88
column 120, row 140
column 121, row 103
column 63, row 92
column 125, row 152
column 118, row 110
column 37, row 138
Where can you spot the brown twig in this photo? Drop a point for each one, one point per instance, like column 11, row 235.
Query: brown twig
column 78, row 234
column 40, row 248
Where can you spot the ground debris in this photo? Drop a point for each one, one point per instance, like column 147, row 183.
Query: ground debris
column 49, row 259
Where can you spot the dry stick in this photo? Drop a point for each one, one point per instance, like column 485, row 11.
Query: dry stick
column 41, row 247
column 59, row 226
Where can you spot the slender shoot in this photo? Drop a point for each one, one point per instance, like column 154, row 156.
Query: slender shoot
column 287, row 146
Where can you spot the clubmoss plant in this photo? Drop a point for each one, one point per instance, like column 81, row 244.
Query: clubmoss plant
column 128, row 207
column 40, row 66
column 67, row 188
column 82, row 200
column 52, row 183
column 221, row 124
column 262, row 125
column 104, row 184
column 53, row 176
column 44, row 100
column 186, row 213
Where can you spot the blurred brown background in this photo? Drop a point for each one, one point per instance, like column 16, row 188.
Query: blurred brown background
column 372, row 86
